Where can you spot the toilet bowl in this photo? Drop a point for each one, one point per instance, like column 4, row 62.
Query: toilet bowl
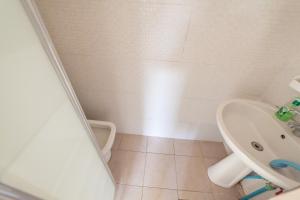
column 105, row 133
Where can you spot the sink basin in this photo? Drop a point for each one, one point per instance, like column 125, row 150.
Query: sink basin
column 256, row 137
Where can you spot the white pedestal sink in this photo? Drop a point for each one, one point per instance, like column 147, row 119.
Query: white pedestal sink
column 256, row 137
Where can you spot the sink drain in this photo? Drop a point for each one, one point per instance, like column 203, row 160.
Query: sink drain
column 257, row 146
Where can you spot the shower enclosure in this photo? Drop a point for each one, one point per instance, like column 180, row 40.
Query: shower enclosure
column 47, row 150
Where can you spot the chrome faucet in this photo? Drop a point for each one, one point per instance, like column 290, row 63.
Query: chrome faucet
column 295, row 126
column 290, row 113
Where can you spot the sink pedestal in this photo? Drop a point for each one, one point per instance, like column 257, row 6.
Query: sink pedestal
column 228, row 171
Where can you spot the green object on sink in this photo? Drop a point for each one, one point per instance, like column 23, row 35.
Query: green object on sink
column 284, row 114
column 296, row 102
column 287, row 112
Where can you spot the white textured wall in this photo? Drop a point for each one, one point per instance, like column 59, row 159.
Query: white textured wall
column 279, row 93
column 161, row 67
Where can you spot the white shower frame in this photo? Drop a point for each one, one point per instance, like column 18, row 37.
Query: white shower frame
column 42, row 32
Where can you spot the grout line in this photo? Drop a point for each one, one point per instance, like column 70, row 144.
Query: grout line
column 192, row 156
column 142, row 196
column 199, row 191
column 118, row 145
column 147, row 140
column 186, row 190
column 142, row 187
column 126, row 184
column 159, row 188
column 160, row 137
column 142, row 193
column 202, row 154
column 153, row 187
column 128, row 150
column 167, row 154
column 175, row 170
column 164, row 154
column 147, row 143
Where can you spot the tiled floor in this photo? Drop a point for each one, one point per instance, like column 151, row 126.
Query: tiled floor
column 152, row 168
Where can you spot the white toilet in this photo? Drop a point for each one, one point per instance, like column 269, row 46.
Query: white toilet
column 105, row 133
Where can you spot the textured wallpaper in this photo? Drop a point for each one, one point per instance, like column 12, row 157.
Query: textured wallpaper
column 161, row 67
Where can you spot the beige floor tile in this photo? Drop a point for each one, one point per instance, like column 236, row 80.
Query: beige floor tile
column 126, row 192
column 160, row 171
column 133, row 143
column 224, row 196
column 160, row 145
column 210, row 161
column 117, row 141
column 187, row 147
column 192, row 174
column 234, row 191
column 128, row 167
column 187, row 195
column 213, row 149
column 159, row 194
